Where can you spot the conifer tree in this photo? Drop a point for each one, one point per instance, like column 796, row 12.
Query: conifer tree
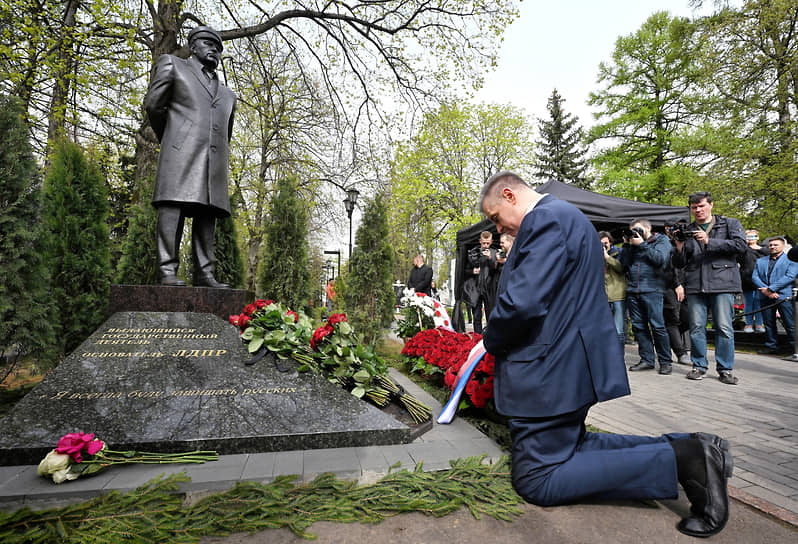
column 367, row 290
column 75, row 216
column 561, row 153
column 283, row 273
column 138, row 263
column 229, row 260
column 25, row 305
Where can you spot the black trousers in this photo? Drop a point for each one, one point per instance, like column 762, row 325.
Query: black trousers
column 676, row 322
column 170, row 232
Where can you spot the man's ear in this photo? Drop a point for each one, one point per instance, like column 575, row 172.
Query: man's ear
column 508, row 195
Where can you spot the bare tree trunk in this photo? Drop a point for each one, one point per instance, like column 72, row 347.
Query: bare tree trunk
column 166, row 22
column 63, row 72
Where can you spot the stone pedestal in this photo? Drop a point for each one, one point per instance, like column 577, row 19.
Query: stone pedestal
column 162, row 298
column 176, row 381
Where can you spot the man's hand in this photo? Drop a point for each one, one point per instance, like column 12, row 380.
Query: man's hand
column 679, row 292
column 476, row 271
column 768, row 293
column 701, row 236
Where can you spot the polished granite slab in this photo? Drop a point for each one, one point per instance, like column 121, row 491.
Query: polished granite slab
column 166, row 298
column 176, row 381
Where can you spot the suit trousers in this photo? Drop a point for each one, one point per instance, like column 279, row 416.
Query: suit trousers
column 555, row 461
column 170, row 233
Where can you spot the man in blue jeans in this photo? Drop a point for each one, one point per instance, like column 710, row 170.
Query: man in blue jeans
column 644, row 257
column 614, row 284
column 707, row 249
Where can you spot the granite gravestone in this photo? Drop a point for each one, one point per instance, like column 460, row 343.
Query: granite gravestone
column 172, row 381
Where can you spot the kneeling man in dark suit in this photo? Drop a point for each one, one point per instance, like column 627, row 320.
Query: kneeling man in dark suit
column 551, row 333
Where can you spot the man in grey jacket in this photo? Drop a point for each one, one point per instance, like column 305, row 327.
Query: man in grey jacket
column 191, row 113
column 707, row 249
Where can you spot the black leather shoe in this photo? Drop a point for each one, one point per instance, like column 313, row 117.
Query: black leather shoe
column 172, row 280
column 768, row 351
column 665, row 369
column 709, row 503
column 641, row 366
column 209, row 281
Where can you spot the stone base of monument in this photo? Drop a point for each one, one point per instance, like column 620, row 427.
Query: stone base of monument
column 176, row 381
column 164, row 298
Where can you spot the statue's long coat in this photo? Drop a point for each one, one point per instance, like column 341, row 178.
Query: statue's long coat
column 194, row 125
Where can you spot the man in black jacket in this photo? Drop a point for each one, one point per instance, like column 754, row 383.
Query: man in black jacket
column 707, row 249
column 420, row 276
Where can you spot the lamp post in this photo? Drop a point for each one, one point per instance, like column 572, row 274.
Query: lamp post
column 349, row 205
column 338, row 253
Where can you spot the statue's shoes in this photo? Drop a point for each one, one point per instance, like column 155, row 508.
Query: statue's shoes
column 209, row 281
column 172, row 280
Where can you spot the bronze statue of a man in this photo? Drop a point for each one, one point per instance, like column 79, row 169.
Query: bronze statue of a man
column 191, row 112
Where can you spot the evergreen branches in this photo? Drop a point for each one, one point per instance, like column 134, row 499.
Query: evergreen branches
column 155, row 512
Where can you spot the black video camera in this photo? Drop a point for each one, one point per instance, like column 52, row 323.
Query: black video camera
column 474, row 255
column 680, row 230
column 634, row 232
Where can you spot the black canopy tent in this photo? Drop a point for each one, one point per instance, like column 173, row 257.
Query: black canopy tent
column 606, row 212
column 610, row 212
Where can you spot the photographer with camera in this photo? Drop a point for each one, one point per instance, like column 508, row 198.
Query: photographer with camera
column 707, row 249
column 674, row 307
column 506, row 243
column 614, row 284
column 644, row 258
column 483, row 261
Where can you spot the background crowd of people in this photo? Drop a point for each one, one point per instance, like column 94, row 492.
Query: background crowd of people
column 671, row 283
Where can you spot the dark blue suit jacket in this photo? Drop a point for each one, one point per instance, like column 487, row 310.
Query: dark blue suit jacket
column 551, row 330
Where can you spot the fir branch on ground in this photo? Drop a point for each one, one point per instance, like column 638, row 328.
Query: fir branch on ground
column 155, row 511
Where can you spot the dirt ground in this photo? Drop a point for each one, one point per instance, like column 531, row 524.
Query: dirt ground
column 627, row 522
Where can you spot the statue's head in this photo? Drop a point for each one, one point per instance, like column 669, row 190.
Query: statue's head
column 206, row 45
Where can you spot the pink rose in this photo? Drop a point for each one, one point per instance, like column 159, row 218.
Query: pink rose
column 72, row 444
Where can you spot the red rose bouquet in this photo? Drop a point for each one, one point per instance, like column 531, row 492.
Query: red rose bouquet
column 333, row 350
column 269, row 325
column 80, row 454
column 439, row 350
column 347, row 362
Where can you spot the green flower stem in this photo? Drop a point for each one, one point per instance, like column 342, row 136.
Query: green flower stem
column 110, row 457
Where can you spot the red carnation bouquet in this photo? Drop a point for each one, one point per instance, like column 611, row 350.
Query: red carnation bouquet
column 439, row 350
column 80, row 454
